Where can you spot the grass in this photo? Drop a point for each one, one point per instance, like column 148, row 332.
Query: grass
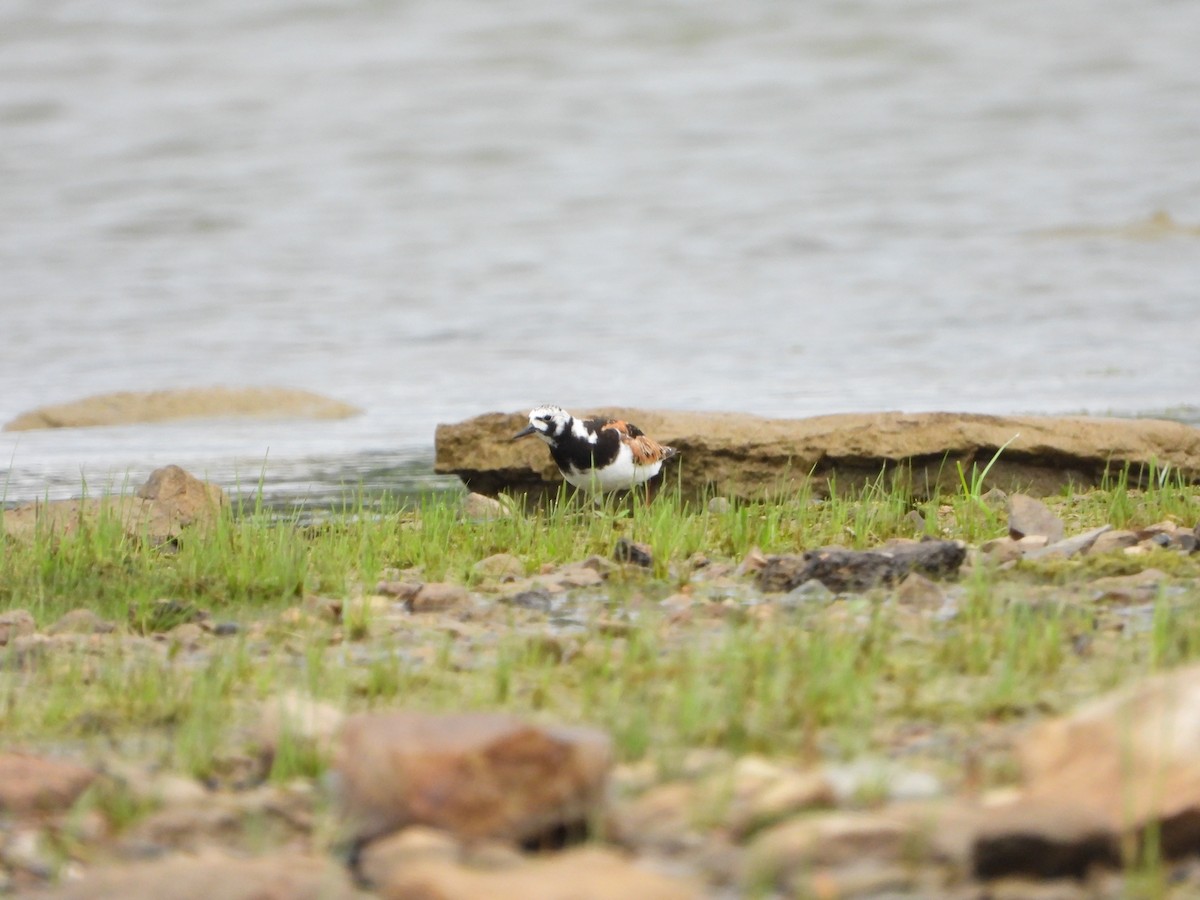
column 820, row 681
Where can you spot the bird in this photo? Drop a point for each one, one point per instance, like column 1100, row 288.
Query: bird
column 597, row 455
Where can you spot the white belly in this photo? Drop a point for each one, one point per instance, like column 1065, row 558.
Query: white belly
column 622, row 474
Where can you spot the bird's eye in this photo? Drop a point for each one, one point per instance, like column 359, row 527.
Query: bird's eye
column 544, row 418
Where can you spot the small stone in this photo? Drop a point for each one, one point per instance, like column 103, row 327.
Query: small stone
column 587, row 873
column 1000, row 550
column 1069, row 547
column 718, row 506
column 478, row 775
column 189, row 635
column 635, row 552
column 812, row 591
column 478, row 506
column 31, row 785
column 1032, row 542
column 225, row 629
column 81, row 621
column 499, row 566
column 915, row 520
column 754, row 561
column 16, row 623
column 297, row 716
column 537, row 599
column 580, row 577
column 1028, row 516
column 401, row 590
column 1111, row 541
column 438, row 596
column 380, row 859
column 920, row 592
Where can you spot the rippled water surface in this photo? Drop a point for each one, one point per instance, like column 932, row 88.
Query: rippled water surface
column 435, row 209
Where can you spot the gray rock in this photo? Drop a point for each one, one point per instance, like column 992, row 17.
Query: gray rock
column 1069, row 547
column 1027, row 516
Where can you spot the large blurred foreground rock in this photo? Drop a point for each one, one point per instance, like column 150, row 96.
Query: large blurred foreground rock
column 477, row 775
column 169, row 502
column 748, row 456
column 128, row 407
column 282, row 876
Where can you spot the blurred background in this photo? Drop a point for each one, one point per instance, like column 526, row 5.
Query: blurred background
column 437, row 208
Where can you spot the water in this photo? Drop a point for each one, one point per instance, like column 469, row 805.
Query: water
column 436, row 209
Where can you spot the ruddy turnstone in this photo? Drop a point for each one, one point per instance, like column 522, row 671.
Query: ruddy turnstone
column 597, row 454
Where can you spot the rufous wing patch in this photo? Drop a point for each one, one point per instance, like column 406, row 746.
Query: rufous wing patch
column 645, row 449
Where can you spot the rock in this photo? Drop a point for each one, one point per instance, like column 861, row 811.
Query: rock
column 170, row 502
column 480, row 507
column 754, row 561
column 31, row 785
column 1128, row 759
column 870, row 780
column 764, row 793
column 741, row 456
column 809, row 593
column 380, row 859
column 1001, row 550
column 635, row 552
column 919, row 592
column 279, row 876
column 1027, row 516
column 588, row 873
column 81, row 621
column 1068, row 547
column 857, row 570
column 787, row 853
column 1032, row 542
column 14, row 624
column 1112, row 541
column 438, row 596
column 499, row 566
column 296, row 716
column 660, row 819
column 401, row 590
column 128, row 407
column 718, row 506
column 478, row 775
column 1042, row 840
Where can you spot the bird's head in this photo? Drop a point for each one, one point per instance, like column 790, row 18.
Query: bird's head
column 547, row 422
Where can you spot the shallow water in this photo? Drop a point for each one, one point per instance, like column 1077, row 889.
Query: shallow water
column 438, row 209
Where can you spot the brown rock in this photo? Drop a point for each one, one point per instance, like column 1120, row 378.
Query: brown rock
column 1068, row 547
column 478, row 506
column 919, row 592
column 499, row 566
column 660, row 819
column 763, row 793
column 282, row 876
column 437, row 596
column 742, row 456
column 1000, row 550
column 1112, row 541
column 14, row 624
column 401, row 590
column 1027, row 516
column 81, row 621
column 128, row 407
column 30, row 785
column 477, row 775
column 1129, row 758
column 588, row 873
column 170, row 501
column 381, row 859
column 788, row 852
column 295, row 716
